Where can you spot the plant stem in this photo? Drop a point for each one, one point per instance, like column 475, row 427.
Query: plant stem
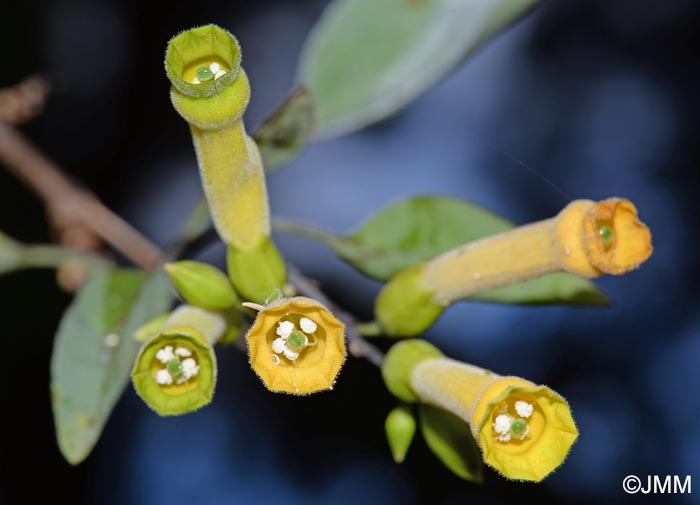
column 66, row 203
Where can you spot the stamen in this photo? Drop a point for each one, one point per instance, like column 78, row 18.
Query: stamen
column 189, row 368
column 285, row 328
column 163, row 377
column 289, row 354
column 181, row 351
column 523, row 409
column 165, row 354
column 307, row 325
column 502, row 425
column 278, row 345
column 215, row 67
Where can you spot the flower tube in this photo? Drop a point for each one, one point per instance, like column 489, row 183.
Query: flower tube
column 296, row 346
column 524, row 430
column 175, row 370
column 586, row 238
column 210, row 91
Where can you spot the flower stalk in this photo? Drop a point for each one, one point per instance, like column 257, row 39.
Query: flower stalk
column 586, row 238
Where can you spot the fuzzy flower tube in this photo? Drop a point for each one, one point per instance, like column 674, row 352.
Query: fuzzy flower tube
column 210, row 91
column 175, row 370
column 524, row 430
column 586, row 238
column 296, row 346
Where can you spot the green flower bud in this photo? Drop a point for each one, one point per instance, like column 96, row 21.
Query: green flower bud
column 399, row 363
column 202, row 285
column 400, row 426
column 257, row 273
column 175, row 371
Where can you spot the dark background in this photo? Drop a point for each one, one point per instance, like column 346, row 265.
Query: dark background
column 599, row 98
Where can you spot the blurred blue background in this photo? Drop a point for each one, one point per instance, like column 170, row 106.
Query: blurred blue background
column 594, row 98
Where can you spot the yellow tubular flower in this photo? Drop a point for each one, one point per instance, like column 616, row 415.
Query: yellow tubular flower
column 525, row 431
column 296, row 346
column 586, row 238
column 175, row 370
column 211, row 92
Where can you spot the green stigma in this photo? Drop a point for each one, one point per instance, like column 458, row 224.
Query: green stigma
column 606, row 234
column 204, row 74
column 518, row 427
column 296, row 340
column 174, row 367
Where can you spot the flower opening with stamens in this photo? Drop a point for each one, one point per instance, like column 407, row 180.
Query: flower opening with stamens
column 525, row 431
column 175, row 371
column 296, row 346
column 586, row 238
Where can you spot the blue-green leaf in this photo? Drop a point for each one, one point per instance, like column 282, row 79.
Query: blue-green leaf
column 94, row 352
column 451, row 440
column 366, row 59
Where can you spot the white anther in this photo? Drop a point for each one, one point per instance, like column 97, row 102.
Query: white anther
column 285, row 328
column 278, row 345
column 214, row 67
column 189, row 368
column 307, row 325
column 181, row 351
column 502, row 424
column 290, row 354
column 523, row 409
column 165, row 354
column 219, row 74
column 163, row 377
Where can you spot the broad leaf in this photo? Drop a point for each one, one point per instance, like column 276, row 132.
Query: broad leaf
column 366, row 59
column 94, row 352
column 419, row 228
column 451, row 440
column 286, row 131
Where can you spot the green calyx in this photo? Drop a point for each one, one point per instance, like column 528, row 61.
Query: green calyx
column 257, row 273
column 404, row 307
column 175, row 398
column 196, row 49
column 399, row 363
column 202, row 285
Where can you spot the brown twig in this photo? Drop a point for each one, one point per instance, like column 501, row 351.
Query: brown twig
column 67, row 204
column 24, row 101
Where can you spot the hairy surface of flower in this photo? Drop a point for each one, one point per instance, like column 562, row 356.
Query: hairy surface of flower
column 175, row 371
column 525, row 431
column 586, row 238
column 211, row 91
column 296, row 346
